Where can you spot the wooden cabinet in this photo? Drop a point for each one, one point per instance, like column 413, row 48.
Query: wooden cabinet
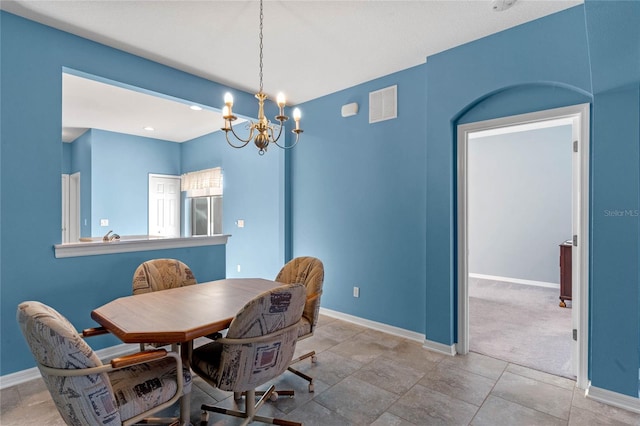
column 565, row 272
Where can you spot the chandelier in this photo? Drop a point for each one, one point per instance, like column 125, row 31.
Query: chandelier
column 262, row 132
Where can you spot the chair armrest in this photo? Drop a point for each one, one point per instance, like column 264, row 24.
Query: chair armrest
column 94, row 331
column 258, row 339
column 138, row 358
column 129, row 360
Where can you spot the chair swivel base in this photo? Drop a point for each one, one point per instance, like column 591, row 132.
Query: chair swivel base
column 299, row 373
column 250, row 414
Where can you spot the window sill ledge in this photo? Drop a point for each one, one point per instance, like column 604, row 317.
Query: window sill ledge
column 94, row 248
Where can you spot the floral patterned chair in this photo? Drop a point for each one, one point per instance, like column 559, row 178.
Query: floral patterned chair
column 88, row 392
column 258, row 347
column 310, row 272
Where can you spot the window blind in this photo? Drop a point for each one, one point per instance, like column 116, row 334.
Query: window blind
column 202, row 183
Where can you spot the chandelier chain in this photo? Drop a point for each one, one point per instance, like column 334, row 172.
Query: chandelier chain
column 261, row 45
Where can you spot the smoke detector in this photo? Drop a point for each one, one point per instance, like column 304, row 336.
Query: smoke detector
column 500, row 5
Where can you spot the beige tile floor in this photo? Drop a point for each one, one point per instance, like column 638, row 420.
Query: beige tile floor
column 365, row 377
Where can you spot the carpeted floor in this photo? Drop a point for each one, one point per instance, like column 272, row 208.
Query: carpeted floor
column 521, row 324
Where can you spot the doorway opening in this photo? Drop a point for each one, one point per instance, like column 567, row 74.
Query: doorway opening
column 577, row 117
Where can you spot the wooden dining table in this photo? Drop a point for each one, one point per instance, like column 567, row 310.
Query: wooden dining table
column 179, row 315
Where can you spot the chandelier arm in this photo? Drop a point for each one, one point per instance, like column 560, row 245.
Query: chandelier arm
column 226, row 134
column 290, row 146
column 245, row 141
column 273, row 138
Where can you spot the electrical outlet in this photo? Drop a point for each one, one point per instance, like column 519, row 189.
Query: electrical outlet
column 356, row 292
column 104, row 222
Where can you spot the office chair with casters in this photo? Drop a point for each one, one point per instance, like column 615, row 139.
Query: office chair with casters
column 310, row 272
column 258, row 347
column 161, row 274
column 126, row 391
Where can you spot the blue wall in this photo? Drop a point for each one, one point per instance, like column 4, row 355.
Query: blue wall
column 358, row 201
column 120, row 168
column 377, row 202
column 613, row 30
column 33, row 57
column 66, row 158
column 253, row 192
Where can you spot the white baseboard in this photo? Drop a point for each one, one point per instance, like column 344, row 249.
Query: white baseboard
column 389, row 329
column 615, row 399
column 514, row 280
column 440, row 347
column 19, row 377
column 395, row 331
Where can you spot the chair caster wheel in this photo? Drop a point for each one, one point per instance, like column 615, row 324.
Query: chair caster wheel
column 204, row 418
column 311, row 387
column 314, row 359
column 274, row 396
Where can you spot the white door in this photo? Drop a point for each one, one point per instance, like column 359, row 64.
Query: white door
column 65, row 209
column 164, row 206
column 74, row 208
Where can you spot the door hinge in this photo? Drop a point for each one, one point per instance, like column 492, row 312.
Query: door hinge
column 575, row 334
column 575, row 241
column 575, row 146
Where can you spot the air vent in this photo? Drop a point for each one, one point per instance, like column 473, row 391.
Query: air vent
column 383, row 104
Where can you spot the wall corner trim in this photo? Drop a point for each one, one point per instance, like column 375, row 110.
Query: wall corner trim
column 615, row 399
column 439, row 347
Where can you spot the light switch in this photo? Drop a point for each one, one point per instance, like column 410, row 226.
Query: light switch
column 104, row 222
column 240, row 223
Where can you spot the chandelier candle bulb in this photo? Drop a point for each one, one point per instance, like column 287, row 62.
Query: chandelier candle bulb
column 228, row 102
column 228, row 99
column 296, row 117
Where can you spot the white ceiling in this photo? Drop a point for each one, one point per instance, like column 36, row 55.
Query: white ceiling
column 311, row 48
column 90, row 104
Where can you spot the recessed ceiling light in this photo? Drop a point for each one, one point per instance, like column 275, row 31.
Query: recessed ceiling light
column 196, row 108
column 149, row 128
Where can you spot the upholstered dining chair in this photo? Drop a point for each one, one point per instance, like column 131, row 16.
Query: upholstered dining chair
column 85, row 391
column 257, row 348
column 161, row 274
column 310, row 272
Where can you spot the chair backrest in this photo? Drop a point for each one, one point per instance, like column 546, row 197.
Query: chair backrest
column 54, row 342
column 310, row 272
column 161, row 274
column 273, row 317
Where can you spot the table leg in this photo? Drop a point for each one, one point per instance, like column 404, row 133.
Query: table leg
column 185, row 402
